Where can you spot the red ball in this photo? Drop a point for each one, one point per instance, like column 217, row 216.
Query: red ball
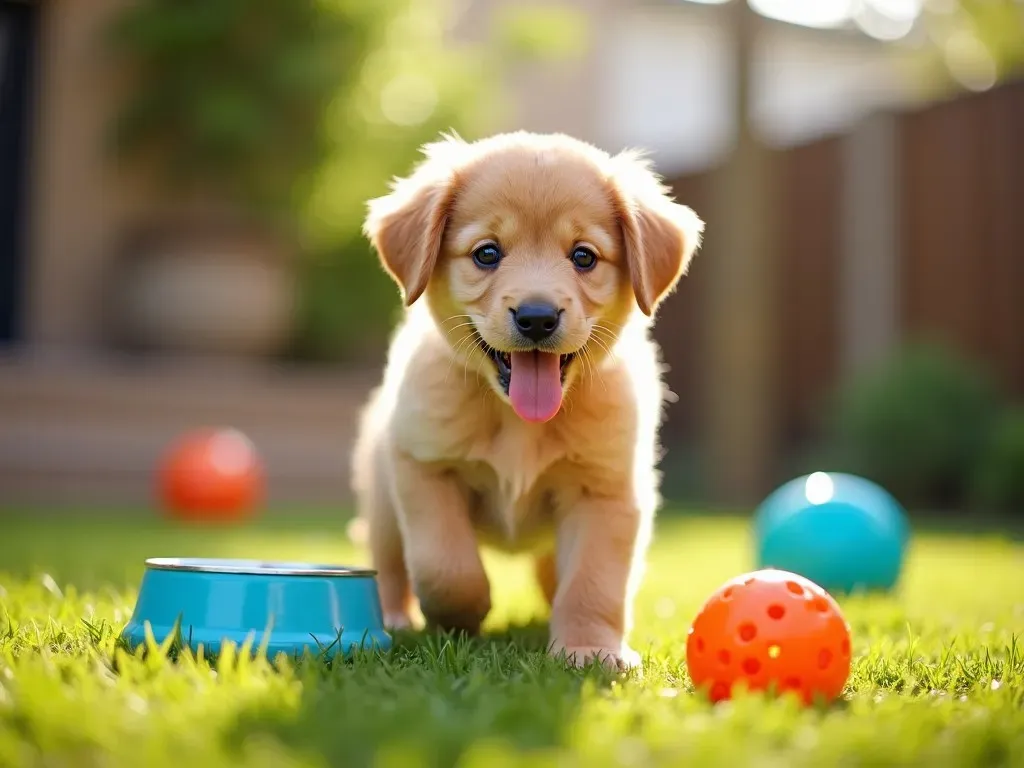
column 211, row 475
column 770, row 630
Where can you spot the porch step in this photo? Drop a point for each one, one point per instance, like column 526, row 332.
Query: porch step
column 91, row 432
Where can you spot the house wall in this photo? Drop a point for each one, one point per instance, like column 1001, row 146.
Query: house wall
column 79, row 202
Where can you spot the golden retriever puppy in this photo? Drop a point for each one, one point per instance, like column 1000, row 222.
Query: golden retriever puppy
column 522, row 396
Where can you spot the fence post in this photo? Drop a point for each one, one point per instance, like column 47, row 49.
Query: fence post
column 869, row 243
column 739, row 422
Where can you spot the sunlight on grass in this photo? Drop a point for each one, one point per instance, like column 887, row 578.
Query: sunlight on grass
column 938, row 673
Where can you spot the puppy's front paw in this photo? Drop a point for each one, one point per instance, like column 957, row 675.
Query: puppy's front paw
column 621, row 659
column 454, row 599
column 397, row 621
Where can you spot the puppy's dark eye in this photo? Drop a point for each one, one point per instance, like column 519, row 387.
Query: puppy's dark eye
column 583, row 258
column 487, row 256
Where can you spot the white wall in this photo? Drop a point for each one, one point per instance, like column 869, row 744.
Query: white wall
column 665, row 86
column 666, row 83
column 809, row 82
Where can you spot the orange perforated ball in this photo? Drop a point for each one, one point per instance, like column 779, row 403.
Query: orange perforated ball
column 211, row 475
column 770, row 630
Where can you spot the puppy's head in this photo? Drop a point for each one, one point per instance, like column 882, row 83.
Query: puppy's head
column 533, row 252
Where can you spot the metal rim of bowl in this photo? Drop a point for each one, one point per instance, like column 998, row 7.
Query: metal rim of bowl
column 253, row 567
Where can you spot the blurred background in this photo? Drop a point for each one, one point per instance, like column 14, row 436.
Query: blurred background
column 182, row 184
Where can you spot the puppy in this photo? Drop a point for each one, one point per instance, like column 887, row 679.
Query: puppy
column 522, row 396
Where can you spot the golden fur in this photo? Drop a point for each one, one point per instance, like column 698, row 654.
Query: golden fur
column 442, row 463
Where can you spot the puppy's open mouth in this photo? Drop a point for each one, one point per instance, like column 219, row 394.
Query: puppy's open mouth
column 532, row 380
column 503, row 362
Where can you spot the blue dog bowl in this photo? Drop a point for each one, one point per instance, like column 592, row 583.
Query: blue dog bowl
column 288, row 607
column 841, row 531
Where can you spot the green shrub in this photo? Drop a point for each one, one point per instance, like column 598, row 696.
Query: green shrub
column 917, row 425
column 354, row 329
column 226, row 97
column 999, row 478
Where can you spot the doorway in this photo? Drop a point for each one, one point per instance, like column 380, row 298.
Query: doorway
column 18, row 28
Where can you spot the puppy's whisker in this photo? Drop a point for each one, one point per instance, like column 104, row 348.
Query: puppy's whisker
column 601, row 343
column 593, row 358
column 596, row 369
column 451, row 362
column 607, row 342
column 464, row 342
column 583, row 362
column 602, row 327
column 591, row 363
column 603, row 333
column 455, row 317
column 463, row 347
column 608, row 333
column 588, row 364
column 459, row 332
column 568, row 402
column 448, row 327
column 461, row 338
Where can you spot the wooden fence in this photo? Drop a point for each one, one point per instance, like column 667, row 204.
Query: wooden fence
column 958, row 257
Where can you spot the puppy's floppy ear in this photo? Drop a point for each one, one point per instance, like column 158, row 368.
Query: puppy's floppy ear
column 660, row 235
column 406, row 226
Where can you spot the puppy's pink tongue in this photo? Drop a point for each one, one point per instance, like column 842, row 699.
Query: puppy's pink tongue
column 535, row 388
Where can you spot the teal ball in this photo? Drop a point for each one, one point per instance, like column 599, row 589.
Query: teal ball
column 843, row 532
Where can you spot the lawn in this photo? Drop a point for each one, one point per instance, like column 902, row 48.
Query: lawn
column 938, row 672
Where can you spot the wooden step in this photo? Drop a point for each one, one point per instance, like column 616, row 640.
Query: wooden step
column 92, row 431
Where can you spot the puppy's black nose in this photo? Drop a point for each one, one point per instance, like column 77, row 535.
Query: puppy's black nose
column 536, row 320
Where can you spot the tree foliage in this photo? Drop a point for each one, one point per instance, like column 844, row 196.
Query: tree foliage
column 972, row 43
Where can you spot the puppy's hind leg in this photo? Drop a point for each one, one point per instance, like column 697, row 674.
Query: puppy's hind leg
column 546, row 571
column 385, row 540
column 377, row 526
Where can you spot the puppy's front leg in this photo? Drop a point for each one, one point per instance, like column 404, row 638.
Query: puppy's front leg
column 598, row 566
column 441, row 550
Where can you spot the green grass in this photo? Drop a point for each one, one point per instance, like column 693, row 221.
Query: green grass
column 937, row 680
